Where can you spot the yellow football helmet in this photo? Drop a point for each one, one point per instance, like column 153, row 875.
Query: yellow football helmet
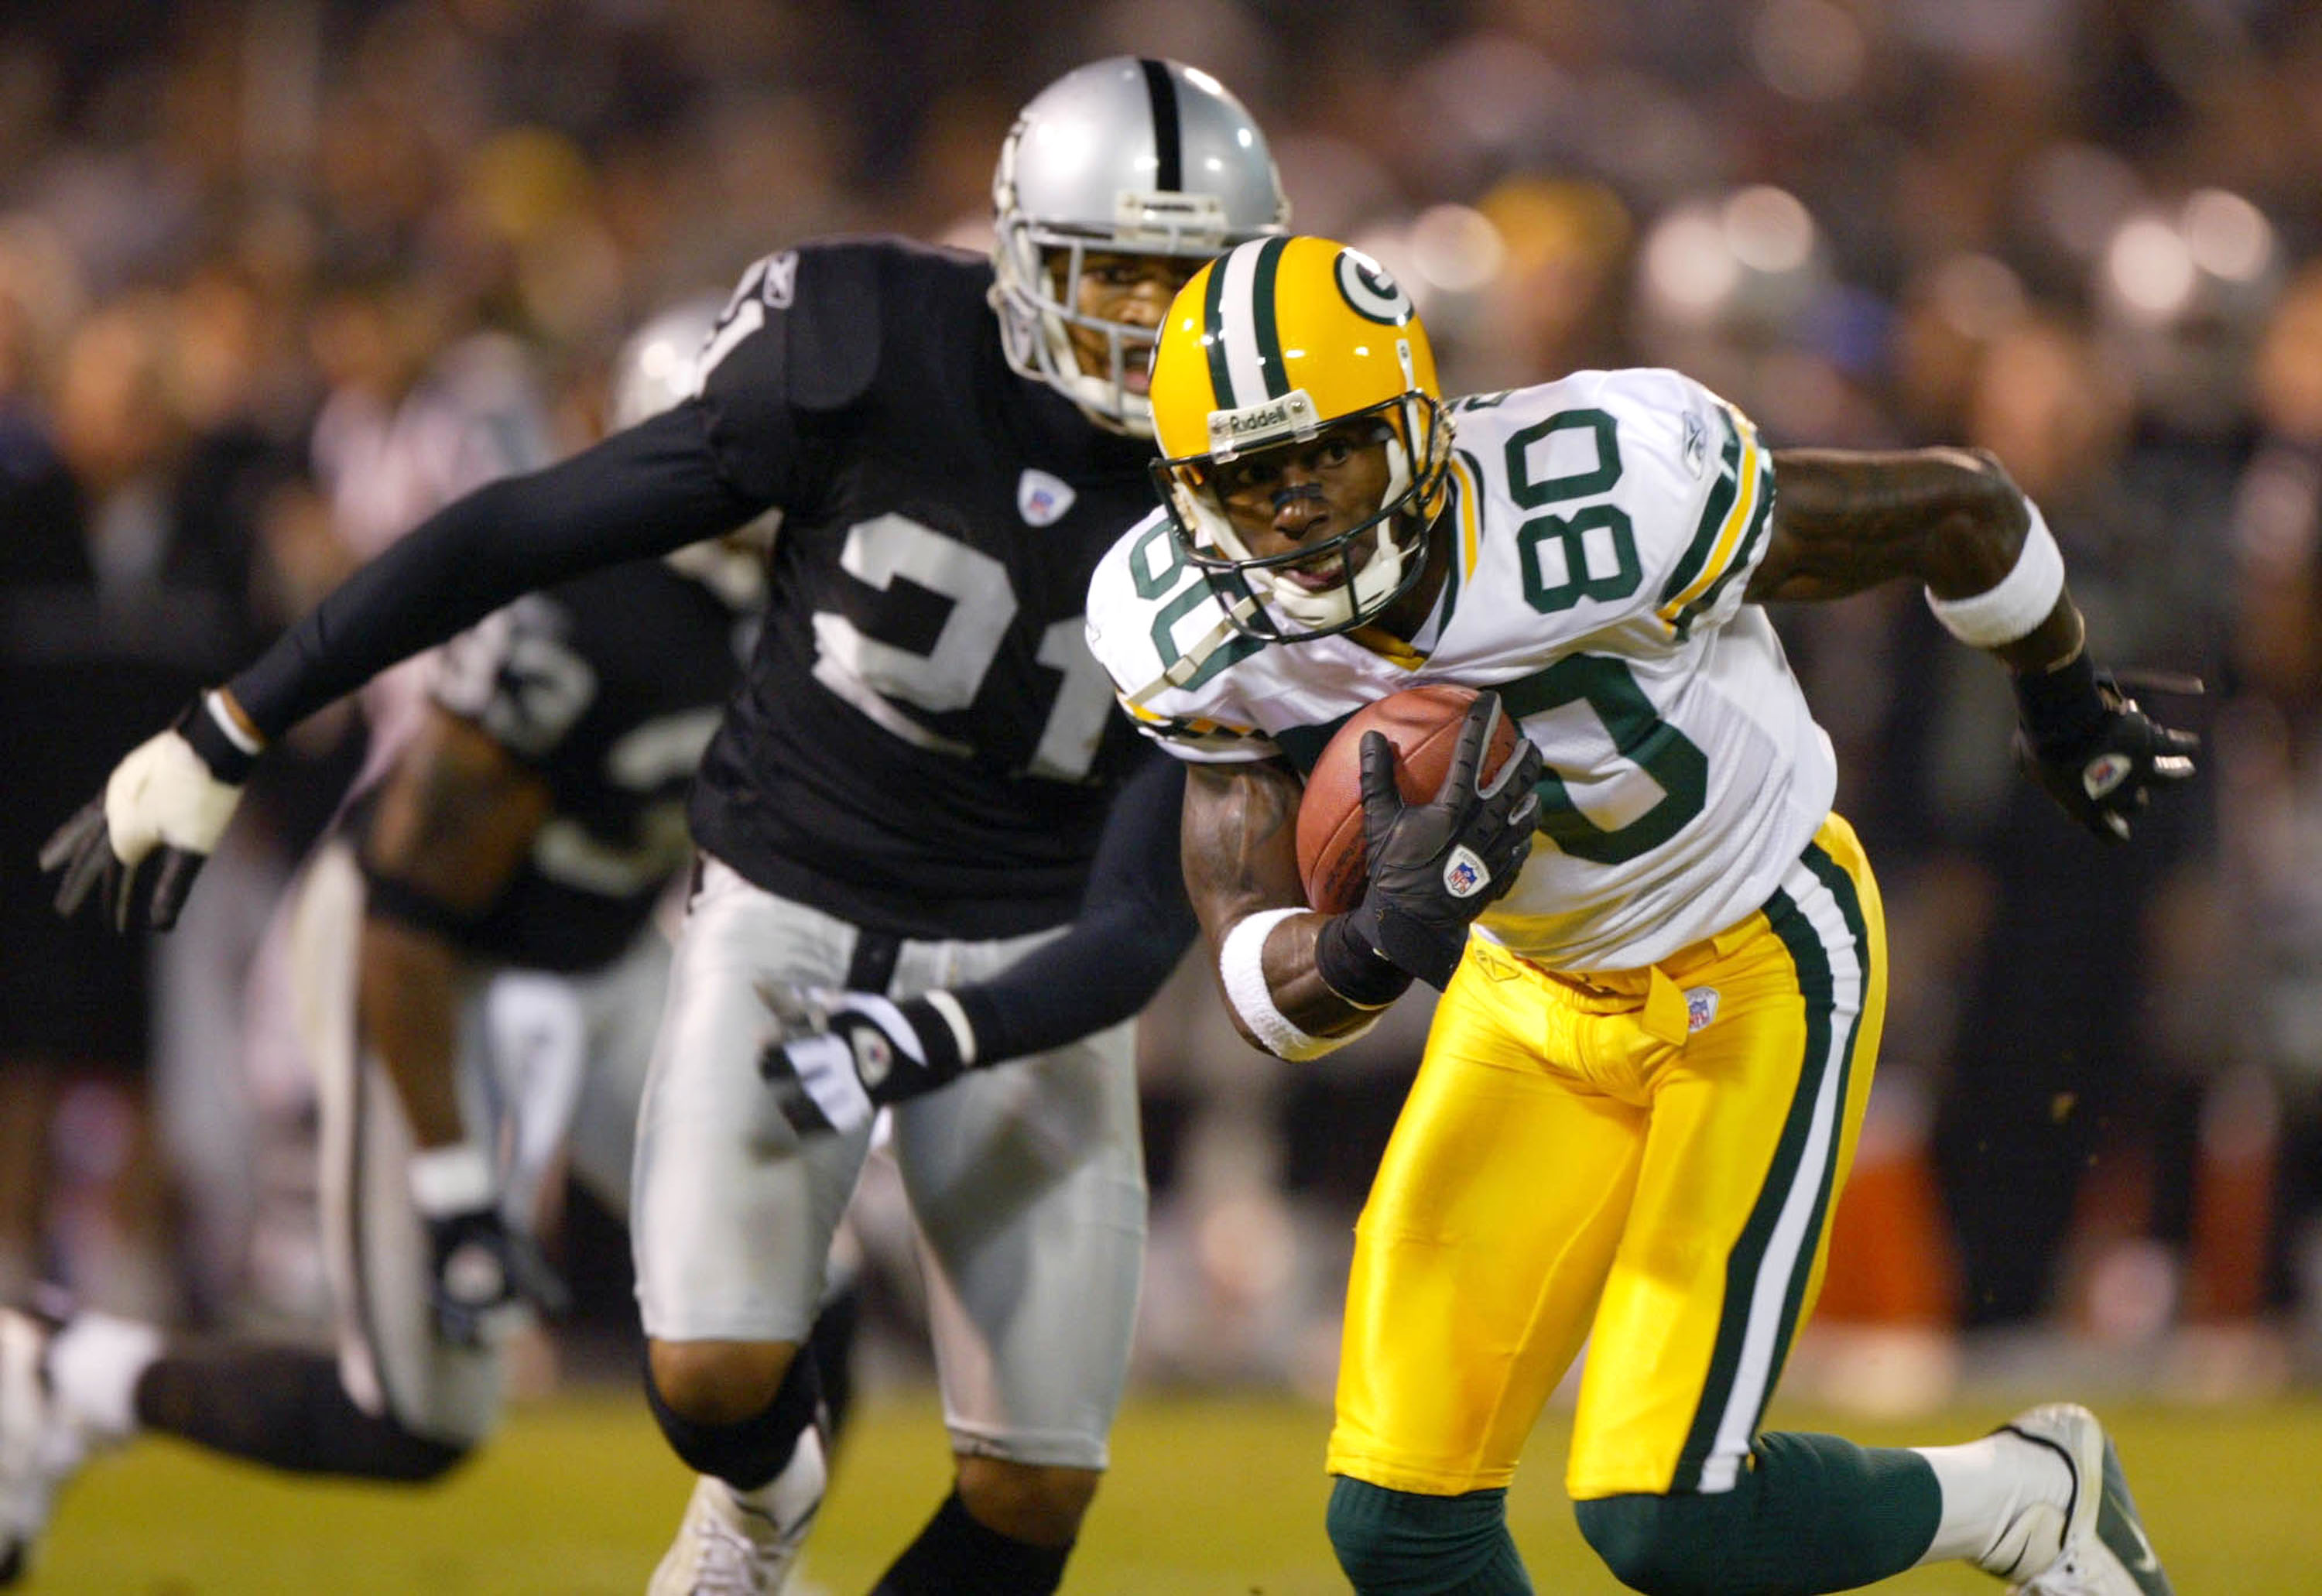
column 1266, row 346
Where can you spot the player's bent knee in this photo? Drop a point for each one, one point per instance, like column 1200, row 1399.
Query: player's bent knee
column 718, row 1382
column 1664, row 1546
column 1399, row 1542
column 749, row 1450
column 1040, row 1504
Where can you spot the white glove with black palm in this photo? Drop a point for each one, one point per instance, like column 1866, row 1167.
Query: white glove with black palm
column 140, row 842
column 838, row 1057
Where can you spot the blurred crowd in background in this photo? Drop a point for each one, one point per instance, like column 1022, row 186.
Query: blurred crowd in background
column 278, row 276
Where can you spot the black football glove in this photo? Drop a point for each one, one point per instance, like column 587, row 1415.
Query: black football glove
column 484, row 1276
column 2092, row 749
column 838, row 1057
column 487, row 1277
column 140, row 842
column 1433, row 867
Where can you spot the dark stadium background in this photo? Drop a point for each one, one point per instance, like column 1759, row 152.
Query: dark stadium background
column 2082, row 234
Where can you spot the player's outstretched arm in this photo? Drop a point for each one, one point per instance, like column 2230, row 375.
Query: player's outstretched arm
column 454, row 819
column 1954, row 521
column 135, row 846
column 843, row 1055
column 1950, row 519
column 643, row 492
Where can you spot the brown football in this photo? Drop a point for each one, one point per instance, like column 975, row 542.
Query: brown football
column 1424, row 725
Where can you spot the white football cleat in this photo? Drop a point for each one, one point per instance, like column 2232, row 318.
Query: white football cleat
column 40, row 1445
column 2101, row 1549
column 744, row 1542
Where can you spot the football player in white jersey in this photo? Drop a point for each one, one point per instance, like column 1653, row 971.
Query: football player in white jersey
column 1661, row 955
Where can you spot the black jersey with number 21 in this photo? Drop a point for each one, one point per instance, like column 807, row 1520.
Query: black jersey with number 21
column 924, row 744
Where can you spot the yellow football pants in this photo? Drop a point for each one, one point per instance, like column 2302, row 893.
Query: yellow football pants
column 1645, row 1160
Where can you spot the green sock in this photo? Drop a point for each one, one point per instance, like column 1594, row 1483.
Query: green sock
column 1397, row 1543
column 1814, row 1513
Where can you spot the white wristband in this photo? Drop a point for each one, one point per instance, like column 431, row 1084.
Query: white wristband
column 1241, row 970
column 451, row 1180
column 963, row 1034
column 2024, row 598
column 214, row 702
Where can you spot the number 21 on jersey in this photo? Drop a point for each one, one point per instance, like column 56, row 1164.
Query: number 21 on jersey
column 886, row 680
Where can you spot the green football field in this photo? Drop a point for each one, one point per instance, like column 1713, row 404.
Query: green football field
column 1214, row 1495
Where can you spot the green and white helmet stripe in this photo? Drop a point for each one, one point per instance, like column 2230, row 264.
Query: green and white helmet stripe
column 1245, row 347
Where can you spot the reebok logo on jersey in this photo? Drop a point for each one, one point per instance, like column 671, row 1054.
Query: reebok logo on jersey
column 1696, row 444
column 1042, row 500
column 1464, row 874
column 781, row 281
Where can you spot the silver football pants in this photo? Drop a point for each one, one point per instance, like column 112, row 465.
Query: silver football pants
column 545, row 1064
column 1026, row 1183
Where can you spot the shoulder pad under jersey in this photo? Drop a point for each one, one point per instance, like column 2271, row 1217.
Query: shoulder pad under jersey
column 1161, row 634
column 1659, row 489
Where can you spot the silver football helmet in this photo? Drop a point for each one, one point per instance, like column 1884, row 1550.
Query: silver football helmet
column 658, row 368
column 1130, row 155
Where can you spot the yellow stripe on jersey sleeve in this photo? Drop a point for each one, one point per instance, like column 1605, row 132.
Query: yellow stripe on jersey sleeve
column 1731, row 541
column 1468, row 496
column 1204, row 739
column 1192, row 724
column 1388, row 646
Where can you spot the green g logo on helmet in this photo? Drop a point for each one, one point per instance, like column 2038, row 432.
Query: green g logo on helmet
column 1371, row 291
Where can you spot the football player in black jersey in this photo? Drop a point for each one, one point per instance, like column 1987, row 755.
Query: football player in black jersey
column 475, row 979
column 906, row 795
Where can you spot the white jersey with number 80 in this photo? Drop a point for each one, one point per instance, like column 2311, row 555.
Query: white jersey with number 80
column 1603, row 527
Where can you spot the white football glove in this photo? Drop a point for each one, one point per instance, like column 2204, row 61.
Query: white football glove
column 145, row 838
column 838, row 1057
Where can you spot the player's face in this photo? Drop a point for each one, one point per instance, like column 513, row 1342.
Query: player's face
column 1298, row 494
column 1134, row 290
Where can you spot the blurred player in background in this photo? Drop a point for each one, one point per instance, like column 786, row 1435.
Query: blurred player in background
column 126, row 570
column 477, row 972
column 1648, row 1065
column 908, row 793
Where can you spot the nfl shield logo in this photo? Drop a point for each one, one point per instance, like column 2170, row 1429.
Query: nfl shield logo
column 2105, row 772
column 1464, row 874
column 874, row 1057
column 1700, row 1008
column 1042, row 500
